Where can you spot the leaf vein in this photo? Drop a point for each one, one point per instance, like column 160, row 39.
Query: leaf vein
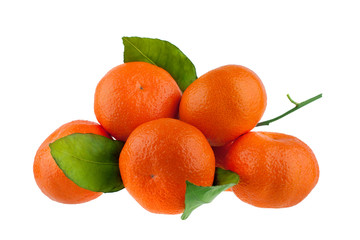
column 143, row 54
column 86, row 160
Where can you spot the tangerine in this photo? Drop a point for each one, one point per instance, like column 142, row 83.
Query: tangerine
column 134, row 93
column 276, row 170
column 157, row 159
column 50, row 178
column 224, row 103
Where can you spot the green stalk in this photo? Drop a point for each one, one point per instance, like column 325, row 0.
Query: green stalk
column 297, row 106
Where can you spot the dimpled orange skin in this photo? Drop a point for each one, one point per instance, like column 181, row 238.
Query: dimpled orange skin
column 224, row 103
column 134, row 93
column 50, row 178
column 157, row 159
column 276, row 170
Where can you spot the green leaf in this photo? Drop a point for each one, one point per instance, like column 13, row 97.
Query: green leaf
column 89, row 160
column 196, row 196
column 162, row 54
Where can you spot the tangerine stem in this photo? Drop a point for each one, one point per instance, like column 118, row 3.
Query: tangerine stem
column 291, row 100
column 297, row 106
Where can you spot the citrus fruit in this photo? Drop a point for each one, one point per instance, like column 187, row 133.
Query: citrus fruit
column 50, row 178
column 134, row 93
column 224, row 103
column 276, row 170
column 157, row 159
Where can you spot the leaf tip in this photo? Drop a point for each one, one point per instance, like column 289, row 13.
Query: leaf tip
column 52, row 149
column 184, row 216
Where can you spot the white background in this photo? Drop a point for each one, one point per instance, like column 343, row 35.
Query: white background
column 53, row 53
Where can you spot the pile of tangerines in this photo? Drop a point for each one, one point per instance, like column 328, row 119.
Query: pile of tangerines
column 171, row 137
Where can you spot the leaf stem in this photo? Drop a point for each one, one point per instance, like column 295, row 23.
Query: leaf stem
column 297, row 106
